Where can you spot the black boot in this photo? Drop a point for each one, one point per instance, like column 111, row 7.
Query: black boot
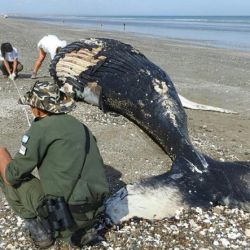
column 82, row 238
column 41, row 235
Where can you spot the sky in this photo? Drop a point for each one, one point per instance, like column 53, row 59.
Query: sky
column 126, row 7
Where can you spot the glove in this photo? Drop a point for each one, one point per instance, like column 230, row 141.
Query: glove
column 12, row 76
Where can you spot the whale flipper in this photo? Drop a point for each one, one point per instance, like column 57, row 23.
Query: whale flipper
column 193, row 105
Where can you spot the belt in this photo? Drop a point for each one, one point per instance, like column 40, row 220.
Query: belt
column 84, row 208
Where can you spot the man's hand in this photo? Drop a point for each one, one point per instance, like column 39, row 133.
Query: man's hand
column 5, row 159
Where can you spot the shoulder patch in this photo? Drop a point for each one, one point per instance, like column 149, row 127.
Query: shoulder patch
column 25, row 139
column 22, row 150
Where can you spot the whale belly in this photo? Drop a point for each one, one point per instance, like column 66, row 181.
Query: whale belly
column 144, row 202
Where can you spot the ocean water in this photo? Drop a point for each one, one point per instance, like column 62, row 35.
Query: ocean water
column 217, row 31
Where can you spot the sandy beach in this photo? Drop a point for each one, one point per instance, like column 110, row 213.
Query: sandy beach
column 212, row 76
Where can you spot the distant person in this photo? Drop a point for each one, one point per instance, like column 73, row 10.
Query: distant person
column 48, row 44
column 9, row 64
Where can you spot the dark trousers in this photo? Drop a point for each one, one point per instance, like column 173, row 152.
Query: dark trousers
column 27, row 198
column 5, row 72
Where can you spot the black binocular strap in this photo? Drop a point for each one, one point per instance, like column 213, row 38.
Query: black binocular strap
column 87, row 147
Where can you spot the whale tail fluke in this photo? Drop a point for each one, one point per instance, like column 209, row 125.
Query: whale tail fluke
column 193, row 105
column 224, row 183
column 197, row 182
column 235, row 182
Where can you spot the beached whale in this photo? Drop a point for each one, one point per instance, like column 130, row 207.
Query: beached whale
column 116, row 77
column 71, row 68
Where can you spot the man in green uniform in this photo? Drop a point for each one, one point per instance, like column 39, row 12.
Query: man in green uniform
column 66, row 199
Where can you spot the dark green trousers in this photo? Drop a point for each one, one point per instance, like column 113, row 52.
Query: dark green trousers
column 27, row 199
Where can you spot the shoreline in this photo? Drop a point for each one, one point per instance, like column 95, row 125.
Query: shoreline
column 95, row 25
column 184, row 42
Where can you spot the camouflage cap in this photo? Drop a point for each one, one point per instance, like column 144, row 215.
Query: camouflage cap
column 47, row 96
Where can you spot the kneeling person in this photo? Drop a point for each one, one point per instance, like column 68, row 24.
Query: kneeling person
column 68, row 197
column 9, row 64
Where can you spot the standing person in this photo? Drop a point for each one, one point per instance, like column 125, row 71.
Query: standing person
column 9, row 64
column 48, row 44
column 69, row 196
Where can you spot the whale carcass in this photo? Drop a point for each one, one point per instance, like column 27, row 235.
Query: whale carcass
column 116, row 77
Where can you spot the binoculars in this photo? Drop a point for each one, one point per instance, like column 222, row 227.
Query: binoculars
column 59, row 215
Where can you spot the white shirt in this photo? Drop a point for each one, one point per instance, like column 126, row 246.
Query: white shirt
column 9, row 56
column 50, row 43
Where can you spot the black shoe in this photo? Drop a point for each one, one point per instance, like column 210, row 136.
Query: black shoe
column 82, row 238
column 41, row 237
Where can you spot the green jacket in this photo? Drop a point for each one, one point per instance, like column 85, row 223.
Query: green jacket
column 67, row 158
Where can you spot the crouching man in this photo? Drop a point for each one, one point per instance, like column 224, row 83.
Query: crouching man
column 68, row 196
column 9, row 63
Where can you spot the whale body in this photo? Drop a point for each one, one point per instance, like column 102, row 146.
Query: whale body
column 118, row 78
